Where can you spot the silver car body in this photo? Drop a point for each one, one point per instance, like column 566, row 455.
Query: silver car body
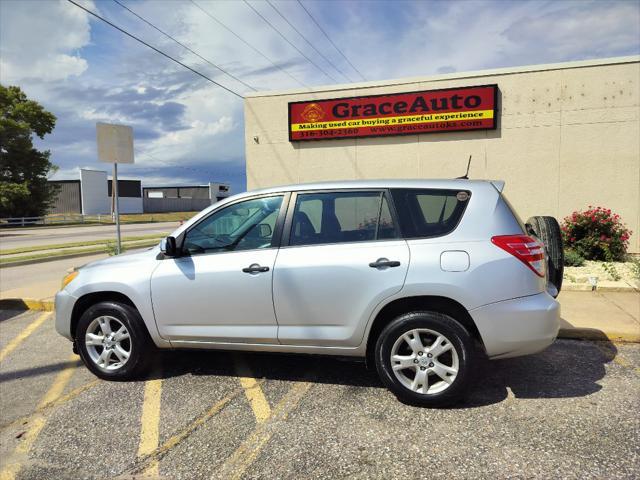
column 325, row 298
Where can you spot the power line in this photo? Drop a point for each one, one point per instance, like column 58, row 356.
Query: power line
column 184, row 46
column 330, row 41
column 155, row 49
column 308, row 42
column 213, row 17
column 288, row 41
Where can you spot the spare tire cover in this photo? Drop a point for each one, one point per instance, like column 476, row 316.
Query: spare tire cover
column 547, row 229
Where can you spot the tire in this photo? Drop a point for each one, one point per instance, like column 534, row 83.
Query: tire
column 429, row 326
column 114, row 316
column 547, row 229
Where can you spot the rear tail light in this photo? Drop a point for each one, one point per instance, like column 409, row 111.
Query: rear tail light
column 526, row 249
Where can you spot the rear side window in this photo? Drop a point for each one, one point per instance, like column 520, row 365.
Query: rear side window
column 429, row 213
column 338, row 217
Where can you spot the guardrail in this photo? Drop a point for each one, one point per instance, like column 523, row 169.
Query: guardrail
column 55, row 219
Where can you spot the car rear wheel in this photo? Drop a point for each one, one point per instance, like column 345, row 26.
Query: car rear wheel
column 113, row 342
column 425, row 358
column 547, row 229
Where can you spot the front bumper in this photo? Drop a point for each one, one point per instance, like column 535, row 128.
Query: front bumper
column 520, row 326
column 64, row 308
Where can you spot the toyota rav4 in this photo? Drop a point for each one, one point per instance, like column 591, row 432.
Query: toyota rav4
column 419, row 277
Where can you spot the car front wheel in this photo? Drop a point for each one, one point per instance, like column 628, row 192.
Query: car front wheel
column 113, row 342
column 425, row 358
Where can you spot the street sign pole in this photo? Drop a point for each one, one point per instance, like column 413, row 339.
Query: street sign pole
column 115, row 145
column 114, row 194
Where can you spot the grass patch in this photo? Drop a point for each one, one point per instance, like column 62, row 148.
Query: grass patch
column 37, row 248
column 156, row 217
column 106, row 220
column 103, row 248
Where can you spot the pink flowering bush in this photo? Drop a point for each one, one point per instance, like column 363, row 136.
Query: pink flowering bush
column 596, row 234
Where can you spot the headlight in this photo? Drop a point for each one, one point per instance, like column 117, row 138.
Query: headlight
column 68, row 278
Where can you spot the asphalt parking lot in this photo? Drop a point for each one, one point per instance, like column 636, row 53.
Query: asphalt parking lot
column 569, row 412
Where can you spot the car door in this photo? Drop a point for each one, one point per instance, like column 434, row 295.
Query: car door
column 219, row 290
column 343, row 256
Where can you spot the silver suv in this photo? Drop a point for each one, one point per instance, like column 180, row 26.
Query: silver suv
column 418, row 276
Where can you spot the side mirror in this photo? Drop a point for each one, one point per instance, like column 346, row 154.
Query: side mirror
column 264, row 230
column 168, row 247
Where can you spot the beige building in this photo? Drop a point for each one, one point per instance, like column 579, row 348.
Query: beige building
column 567, row 136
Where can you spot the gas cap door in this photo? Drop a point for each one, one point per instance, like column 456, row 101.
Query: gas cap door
column 454, row 261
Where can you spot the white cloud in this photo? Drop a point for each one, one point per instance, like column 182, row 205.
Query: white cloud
column 190, row 130
column 39, row 40
column 591, row 29
column 425, row 38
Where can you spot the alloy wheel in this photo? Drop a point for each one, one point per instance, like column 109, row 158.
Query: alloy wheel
column 108, row 343
column 424, row 361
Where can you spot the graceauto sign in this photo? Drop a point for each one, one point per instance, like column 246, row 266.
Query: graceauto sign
column 447, row 110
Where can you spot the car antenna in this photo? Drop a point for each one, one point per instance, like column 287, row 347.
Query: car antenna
column 466, row 175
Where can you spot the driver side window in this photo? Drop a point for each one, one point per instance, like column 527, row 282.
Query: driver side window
column 245, row 225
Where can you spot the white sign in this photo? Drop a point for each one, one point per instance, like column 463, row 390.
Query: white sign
column 115, row 143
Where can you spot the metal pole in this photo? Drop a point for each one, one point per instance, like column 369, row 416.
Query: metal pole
column 114, row 195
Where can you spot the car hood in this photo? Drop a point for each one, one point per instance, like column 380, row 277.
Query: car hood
column 123, row 259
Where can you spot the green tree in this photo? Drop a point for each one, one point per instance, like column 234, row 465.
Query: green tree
column 24, row 191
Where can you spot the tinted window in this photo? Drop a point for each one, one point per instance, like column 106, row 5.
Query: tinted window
column 429, row 213
column 242, row 226
column 341, row 217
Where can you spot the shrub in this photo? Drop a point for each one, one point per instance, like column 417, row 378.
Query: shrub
column 573, row 259
column 596, row 234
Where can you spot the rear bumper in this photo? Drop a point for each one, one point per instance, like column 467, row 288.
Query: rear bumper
column 64, row 308
column 520, row 326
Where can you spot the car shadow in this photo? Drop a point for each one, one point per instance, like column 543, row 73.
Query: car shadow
column 11, row 308
column 567, row 369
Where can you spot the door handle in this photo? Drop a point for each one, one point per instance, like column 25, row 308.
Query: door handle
column 384, row 262
column 255, row 268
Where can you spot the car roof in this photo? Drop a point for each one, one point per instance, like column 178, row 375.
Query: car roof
column 453, row 184
column 382, row 183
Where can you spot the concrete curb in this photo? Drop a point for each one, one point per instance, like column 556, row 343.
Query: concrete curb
column 592, row 334
column 581, row 287
column 26, row 304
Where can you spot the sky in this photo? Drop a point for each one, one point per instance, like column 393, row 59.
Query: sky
column 188, row 130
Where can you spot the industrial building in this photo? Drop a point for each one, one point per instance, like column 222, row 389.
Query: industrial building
column 562, row 136
column 91, row 194
column 187, row 198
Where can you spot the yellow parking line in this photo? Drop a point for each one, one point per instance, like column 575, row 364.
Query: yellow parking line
column 235, row 466
column 176, row 439
column 623, row 363
column 23, row 335
column 38, row 421
column 252, row 390
column 150, row 424
column 615, row 357
column 59, row 401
